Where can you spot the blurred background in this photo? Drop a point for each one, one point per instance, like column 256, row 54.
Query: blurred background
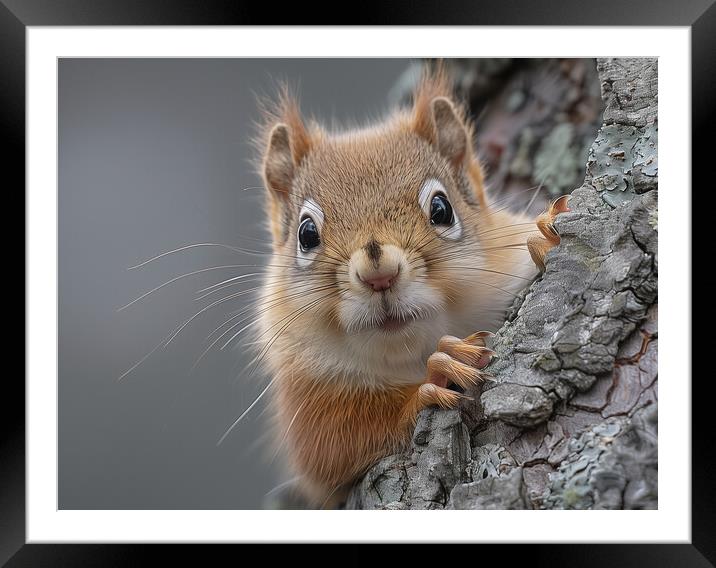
column 153, row 156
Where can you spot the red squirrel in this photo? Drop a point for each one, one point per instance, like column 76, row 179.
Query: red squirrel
column 388, row 255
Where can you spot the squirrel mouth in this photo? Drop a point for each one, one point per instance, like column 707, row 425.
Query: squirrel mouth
column 391, row 323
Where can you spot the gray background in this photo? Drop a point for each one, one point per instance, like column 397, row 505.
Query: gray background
column 153, row 155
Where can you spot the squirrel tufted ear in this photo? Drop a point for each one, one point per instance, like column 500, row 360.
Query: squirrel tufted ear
column 283, row 141
column 451, row 136
column 437, row 119
column 278, row 161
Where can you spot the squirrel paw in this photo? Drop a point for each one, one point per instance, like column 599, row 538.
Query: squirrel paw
column 460, row 361
column 540, row 246
column 428, row 394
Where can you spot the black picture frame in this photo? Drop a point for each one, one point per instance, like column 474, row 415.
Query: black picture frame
column 16, row 15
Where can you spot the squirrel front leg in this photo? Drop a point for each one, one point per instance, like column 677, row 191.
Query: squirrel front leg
column 540, row 246
column 457, row 361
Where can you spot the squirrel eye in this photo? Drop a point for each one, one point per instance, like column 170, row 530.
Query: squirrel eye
column 308, row 236
column 441, row 210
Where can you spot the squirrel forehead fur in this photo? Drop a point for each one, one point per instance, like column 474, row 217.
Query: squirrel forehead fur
column 367, row 184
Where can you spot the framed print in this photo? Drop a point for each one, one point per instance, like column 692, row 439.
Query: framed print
column 284, row 281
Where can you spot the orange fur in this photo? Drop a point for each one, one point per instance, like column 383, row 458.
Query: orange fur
column 334, row 434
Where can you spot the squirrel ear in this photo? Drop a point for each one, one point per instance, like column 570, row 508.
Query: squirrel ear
column 278, row 162
column 451, row 137
column 443, row 124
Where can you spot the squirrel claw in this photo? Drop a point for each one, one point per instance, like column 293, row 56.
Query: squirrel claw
column 478, row 338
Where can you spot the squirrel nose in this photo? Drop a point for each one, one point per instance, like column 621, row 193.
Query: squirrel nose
column 379, row 281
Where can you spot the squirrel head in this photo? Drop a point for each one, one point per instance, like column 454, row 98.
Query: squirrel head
column 377, row 232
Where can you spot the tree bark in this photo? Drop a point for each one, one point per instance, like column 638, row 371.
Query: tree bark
column 570, row 420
